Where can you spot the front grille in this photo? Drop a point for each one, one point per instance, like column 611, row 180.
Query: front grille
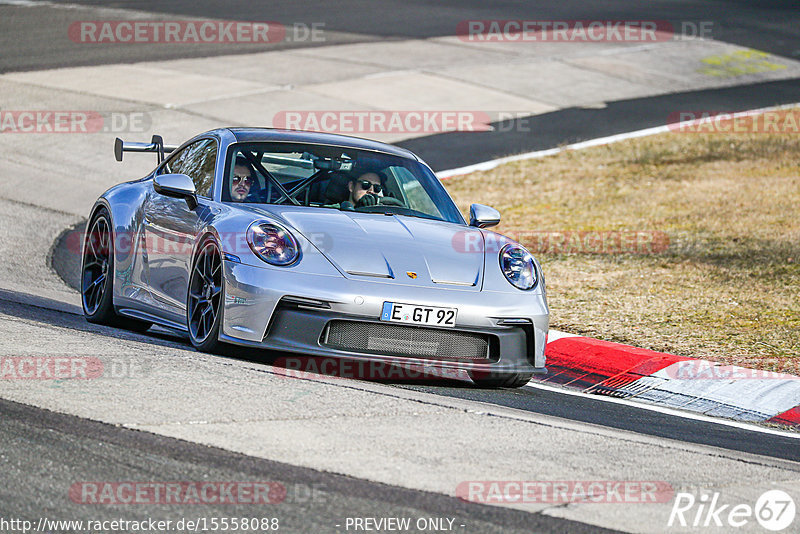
column 401, row 340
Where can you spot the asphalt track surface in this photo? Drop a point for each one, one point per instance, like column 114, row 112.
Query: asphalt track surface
column 27, row 39
column 87, row 451
column 43, row 453
column 583, row 409
column 572, row 125
column 625, row 417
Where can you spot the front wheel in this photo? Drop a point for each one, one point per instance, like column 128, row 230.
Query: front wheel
column 204, row 301
column 97, row 268
column 499, row 380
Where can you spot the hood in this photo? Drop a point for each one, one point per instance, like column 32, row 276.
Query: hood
column 390, row 246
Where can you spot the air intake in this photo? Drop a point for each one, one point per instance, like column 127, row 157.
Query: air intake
column 405, row 341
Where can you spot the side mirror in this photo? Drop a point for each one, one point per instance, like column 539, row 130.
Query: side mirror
column 482, row 216
column 176, row 185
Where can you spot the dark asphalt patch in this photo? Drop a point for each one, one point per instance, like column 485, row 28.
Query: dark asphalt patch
column 65, row 255
column 572, row 125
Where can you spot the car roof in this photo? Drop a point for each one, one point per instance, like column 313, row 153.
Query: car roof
column 253, row 135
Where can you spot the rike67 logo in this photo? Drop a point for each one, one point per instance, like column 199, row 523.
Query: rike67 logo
column 774, row 510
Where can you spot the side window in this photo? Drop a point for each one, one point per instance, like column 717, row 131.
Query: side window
column 173, row 164
column 198, row 161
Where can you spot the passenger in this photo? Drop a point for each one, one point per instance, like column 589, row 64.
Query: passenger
column 242, row 180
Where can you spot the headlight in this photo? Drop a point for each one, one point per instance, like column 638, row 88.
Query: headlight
column 272, row 243
column 517, row 265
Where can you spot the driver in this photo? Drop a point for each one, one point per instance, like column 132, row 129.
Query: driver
column 241, row 181
column 366, row 190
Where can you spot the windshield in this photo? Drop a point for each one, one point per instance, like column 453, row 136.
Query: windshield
column 322, row 176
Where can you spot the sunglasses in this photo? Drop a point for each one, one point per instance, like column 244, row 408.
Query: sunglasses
column 366, row 184
column 246, row 179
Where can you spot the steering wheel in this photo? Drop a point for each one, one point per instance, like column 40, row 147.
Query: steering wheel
column 390, row 201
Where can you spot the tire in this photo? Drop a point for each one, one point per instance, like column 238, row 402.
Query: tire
column 97, row 267
column 500, row 380
column 205, row 297
column 97, row 276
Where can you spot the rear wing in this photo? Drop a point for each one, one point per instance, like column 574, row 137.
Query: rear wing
column 155, row 145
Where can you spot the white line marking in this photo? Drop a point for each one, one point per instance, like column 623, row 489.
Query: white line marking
column 667, row 411
column 491, row 164
column 45, row 3
column 552, row 335
column 20, row 3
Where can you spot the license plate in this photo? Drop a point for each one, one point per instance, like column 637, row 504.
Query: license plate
column 397, row 312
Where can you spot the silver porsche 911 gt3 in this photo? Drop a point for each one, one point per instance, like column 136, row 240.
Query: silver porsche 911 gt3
column 317, row 244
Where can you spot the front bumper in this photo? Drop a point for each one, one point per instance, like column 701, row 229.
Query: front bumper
column 291, row 311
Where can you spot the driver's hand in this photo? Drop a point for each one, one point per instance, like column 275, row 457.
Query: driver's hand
column 367, row 200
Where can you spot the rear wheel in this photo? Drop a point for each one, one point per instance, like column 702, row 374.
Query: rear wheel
column 97, row 276
column 500, row 380
column 204, row 302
